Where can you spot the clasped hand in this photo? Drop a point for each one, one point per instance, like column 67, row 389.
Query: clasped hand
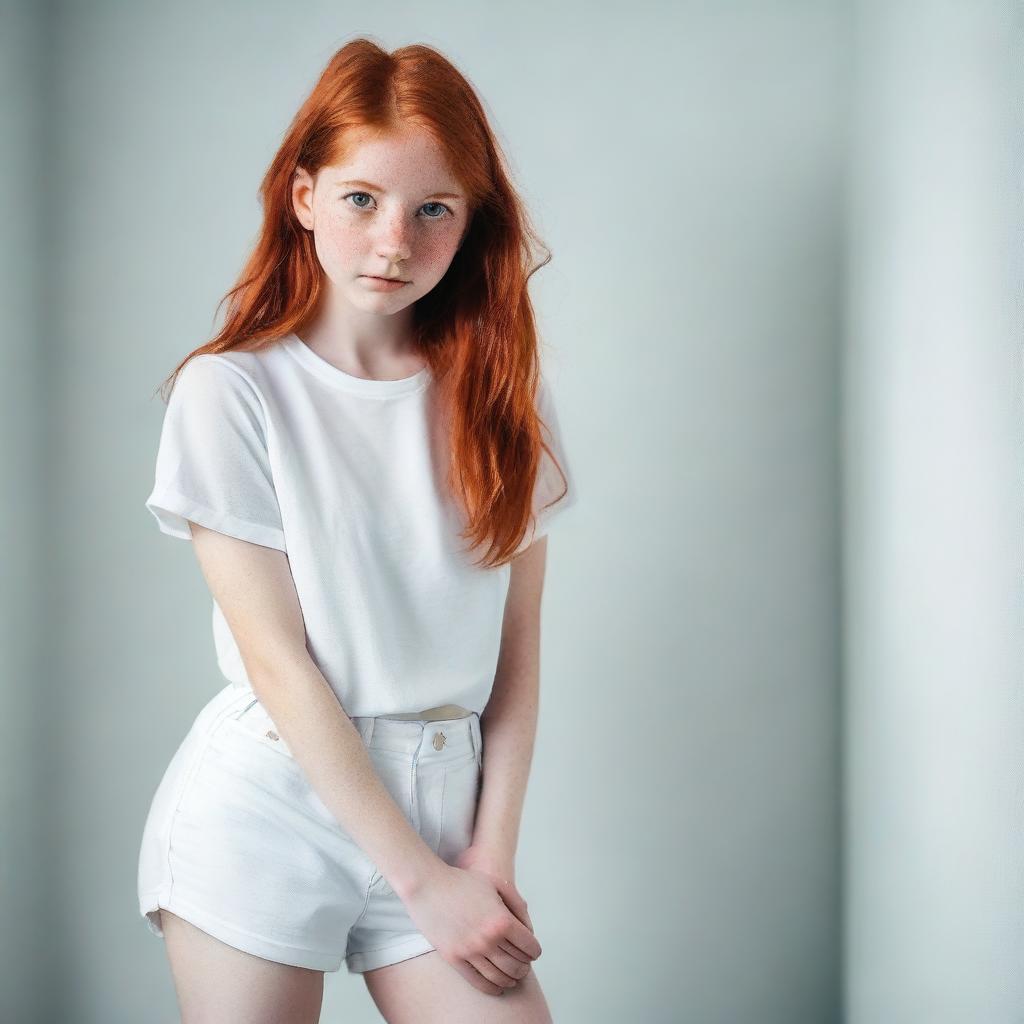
column 474, row 916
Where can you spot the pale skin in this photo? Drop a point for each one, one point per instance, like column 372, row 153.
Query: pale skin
column 471, row 912
column 407, row 227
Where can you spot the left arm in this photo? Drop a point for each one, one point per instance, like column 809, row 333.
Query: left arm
column 509, row 726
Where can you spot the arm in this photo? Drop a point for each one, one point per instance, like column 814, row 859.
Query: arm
column 470, row 923
column 509, row 726
column 254, row 588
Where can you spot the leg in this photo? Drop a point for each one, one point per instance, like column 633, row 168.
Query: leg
column 426, row 989
column 216, row 982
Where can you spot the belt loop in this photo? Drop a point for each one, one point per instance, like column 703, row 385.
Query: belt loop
column 474, row 734
column 369, row 730
column 364, row 726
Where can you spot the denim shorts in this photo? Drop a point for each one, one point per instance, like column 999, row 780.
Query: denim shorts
column 237, row 842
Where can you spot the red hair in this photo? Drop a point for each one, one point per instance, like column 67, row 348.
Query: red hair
column 475, row 330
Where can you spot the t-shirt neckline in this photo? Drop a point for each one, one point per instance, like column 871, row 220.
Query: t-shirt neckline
column 337, row 378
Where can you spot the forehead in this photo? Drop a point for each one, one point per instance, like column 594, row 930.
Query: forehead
column 399, row 160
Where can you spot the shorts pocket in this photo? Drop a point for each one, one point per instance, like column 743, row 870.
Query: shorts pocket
column 254, row 723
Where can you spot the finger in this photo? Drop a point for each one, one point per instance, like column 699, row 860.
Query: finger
column 526, row 916
column 476, row 979
column 523, row 915
column 517, row 905
column 519, row 935
column 511, row 965
column 491, row 972
column 513, row 951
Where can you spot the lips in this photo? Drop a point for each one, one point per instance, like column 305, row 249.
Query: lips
column 395, row 280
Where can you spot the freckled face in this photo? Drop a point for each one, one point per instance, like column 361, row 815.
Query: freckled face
column 392, row 209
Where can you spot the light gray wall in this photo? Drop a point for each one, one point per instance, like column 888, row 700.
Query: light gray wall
column 24, row 415
column 680, row 848
column 934, row 718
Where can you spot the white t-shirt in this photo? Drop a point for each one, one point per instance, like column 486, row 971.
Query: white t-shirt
column 346, row 475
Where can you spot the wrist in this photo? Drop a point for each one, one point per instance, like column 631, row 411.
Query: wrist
column 417, row 873
column 496, row 848
column 497, row 861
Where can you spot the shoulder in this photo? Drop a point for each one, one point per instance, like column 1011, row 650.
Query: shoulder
column 546, row 396
column 215, row 371
column 215, row 392
column 218, row 379
column 546, row 406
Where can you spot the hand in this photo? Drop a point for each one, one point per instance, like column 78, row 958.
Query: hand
column 501, row 871
column 463, row 916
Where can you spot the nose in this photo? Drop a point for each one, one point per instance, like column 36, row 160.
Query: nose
column 393, row 241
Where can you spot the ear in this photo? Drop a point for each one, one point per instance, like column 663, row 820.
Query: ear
column 302, row 197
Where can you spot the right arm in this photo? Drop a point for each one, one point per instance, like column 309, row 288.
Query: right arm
column 460, row 911
column 253, row 587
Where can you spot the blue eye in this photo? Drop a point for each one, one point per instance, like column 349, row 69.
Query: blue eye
column 440, row 215
column 444, row 210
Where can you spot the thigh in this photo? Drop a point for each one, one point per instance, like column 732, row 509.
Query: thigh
column 215, row 982
column 428, row 990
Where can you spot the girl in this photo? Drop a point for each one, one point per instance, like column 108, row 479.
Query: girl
column 367, row 461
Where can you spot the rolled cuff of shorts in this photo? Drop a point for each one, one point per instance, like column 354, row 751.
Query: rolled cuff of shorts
column 238, row 938
column 368, row 959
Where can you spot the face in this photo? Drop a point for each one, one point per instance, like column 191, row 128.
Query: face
column 392, row 209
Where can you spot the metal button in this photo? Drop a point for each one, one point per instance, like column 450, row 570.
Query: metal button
column 439, row 740
column 271, row 735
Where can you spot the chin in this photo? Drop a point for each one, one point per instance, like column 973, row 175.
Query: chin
column 381, row 302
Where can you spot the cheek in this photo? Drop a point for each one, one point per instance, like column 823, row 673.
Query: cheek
column 338, row 245
column 342, row 245
column 437, row 247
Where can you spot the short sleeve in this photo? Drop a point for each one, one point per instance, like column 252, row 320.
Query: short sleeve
column 547, row 504
column 213, row 465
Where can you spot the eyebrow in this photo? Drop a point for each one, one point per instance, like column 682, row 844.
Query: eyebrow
column 377, row 188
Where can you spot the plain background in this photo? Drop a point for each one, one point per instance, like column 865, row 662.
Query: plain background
column 778, row 773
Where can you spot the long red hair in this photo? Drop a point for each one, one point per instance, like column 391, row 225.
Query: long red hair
column 475, row 330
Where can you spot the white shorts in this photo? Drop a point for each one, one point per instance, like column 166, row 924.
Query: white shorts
column 239, row 844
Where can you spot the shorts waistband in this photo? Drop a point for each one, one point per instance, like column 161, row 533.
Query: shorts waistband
column 442, row 713
column 444, row 739
column 431, row 740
